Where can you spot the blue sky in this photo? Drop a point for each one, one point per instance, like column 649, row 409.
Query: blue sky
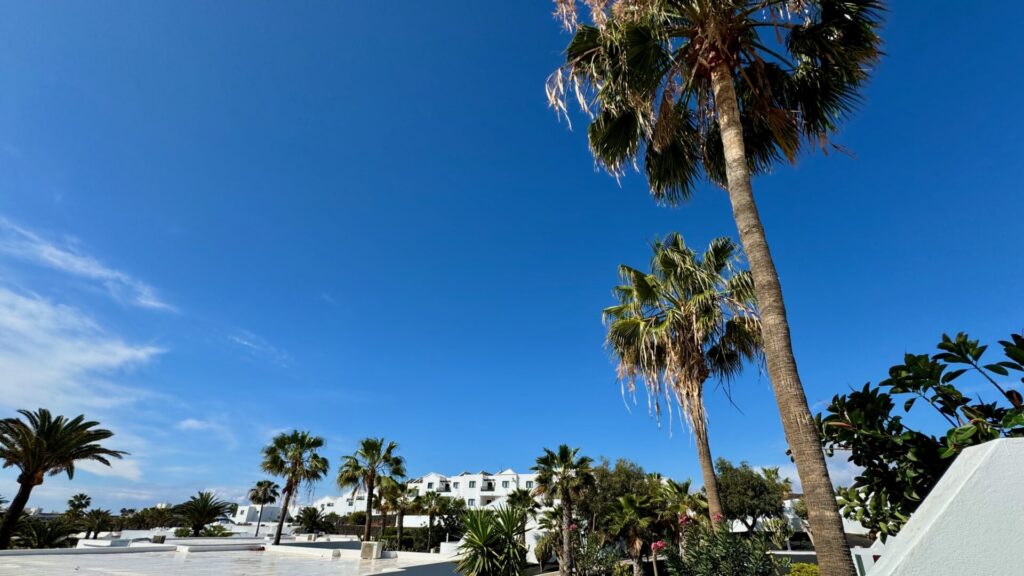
column 218, row 221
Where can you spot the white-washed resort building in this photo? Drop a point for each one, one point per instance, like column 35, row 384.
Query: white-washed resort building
column 477, row 489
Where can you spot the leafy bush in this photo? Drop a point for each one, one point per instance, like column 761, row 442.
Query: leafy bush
column 802, row 569
column 215, row 531
column 713, row 552
column 37, row 533
column 182, row 532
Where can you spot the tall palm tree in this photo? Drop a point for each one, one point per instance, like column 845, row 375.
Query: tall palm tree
column 42, row 444
column 373, row 459
column 689, row 319
column 294, row 456
column 433, row 505
column 78, row 504
column 630, row 521
column 724, row 89
column 563, row 475
column 202, row 509
column 263, row 493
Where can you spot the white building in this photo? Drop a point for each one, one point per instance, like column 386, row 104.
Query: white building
column 479, row 490
column 249, row 514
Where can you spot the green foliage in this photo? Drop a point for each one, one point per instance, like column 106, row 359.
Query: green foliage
column 295, row 457
column 95, row 521
column 901, row 465
column 492, row 544
column 311, row 520
column 803, row 569
column 374, row 460
column 182, row 532
column 36, row 533
column 591, row 557
column 78, row 504
column 215, row 531
column 202, row 509
column 714, row 552
column 747, row 494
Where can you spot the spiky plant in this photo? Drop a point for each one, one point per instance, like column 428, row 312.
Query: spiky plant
column 202, row 509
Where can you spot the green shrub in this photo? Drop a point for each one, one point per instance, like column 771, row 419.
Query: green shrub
column 802, row 569
column 182, row 532
column 215, row 531
column 714, row 552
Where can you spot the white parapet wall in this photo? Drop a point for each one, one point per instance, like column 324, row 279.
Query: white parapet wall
column 972, row 522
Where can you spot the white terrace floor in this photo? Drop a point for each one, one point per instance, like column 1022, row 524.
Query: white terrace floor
column 244, row 563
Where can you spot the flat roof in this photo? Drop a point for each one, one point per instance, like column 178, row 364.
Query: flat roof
column 219, row 563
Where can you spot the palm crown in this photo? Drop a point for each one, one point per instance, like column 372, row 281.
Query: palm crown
column 563, row 474
column 264, row 492
column 375, row 459
column 44, row 444
column 642, row 69
column 294, row 457
column 690, row 318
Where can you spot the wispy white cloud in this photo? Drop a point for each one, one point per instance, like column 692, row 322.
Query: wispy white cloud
column 219, row 429
column 57, row 356
column 128, row 469
column 257, row 347
column 24, row 244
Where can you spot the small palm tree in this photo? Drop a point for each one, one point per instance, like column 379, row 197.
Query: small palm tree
column 689, row 319
column 433, row 505
column 202, row 509
column 391, row 493
column 676, row 505
column 724, row 89
column 311, row 520
column 374, row 459
column 263, row 493
column 523, row 499
column 294, row 456
column 95, row 521
column 630, row 521
column 78, row 504
column 37, row 534
column 563, row 476
column 403, row 503
column 41, row 444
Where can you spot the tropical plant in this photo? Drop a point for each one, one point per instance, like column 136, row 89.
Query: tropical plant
column 711, row 551
column 563, row 475
column 42, row 444
column 182, row 532
column 202, row 509
column 432, row 505
column 803, row 569
column 36, row 533
column 723, row 89
column 95, row 521
column 372, row 460
column 492, row 544
column 394, row 497
column 77, row 505
column 263, row 493
column 689, row 319
column 311, row 520
column 900, row 465
column 631, row 521
column 294, row 456
column 215, row 531
column 523, row 499
column 677, row 505
column 748, row 495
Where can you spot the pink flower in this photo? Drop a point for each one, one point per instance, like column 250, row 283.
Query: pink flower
column 572, row 527
column 684, row 519
column 659, row 545
column 716, row 518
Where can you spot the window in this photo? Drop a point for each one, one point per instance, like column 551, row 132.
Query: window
column 456, row 485
column 504, row 483
column 529, row 483
column 471, row 501
column 430, row 485
column 472, row 483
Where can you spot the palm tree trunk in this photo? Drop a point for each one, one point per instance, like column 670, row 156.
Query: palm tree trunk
column 284, row 512
column 259, row 518
column 707, row 465
column 565, row 562
column 400, row 527
column 369, row 508
column 430, row 530
column 13, row 513
column 638, row 568
column 801, row 434
column 383, row 523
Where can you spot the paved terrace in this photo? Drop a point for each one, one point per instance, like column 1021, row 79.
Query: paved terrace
column 219, row 563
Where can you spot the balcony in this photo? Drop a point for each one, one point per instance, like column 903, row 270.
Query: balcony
column 487, row 487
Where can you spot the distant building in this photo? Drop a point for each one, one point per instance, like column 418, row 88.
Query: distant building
column 249, row 514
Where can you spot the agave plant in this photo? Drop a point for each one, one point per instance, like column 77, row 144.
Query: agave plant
column 492, row 544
